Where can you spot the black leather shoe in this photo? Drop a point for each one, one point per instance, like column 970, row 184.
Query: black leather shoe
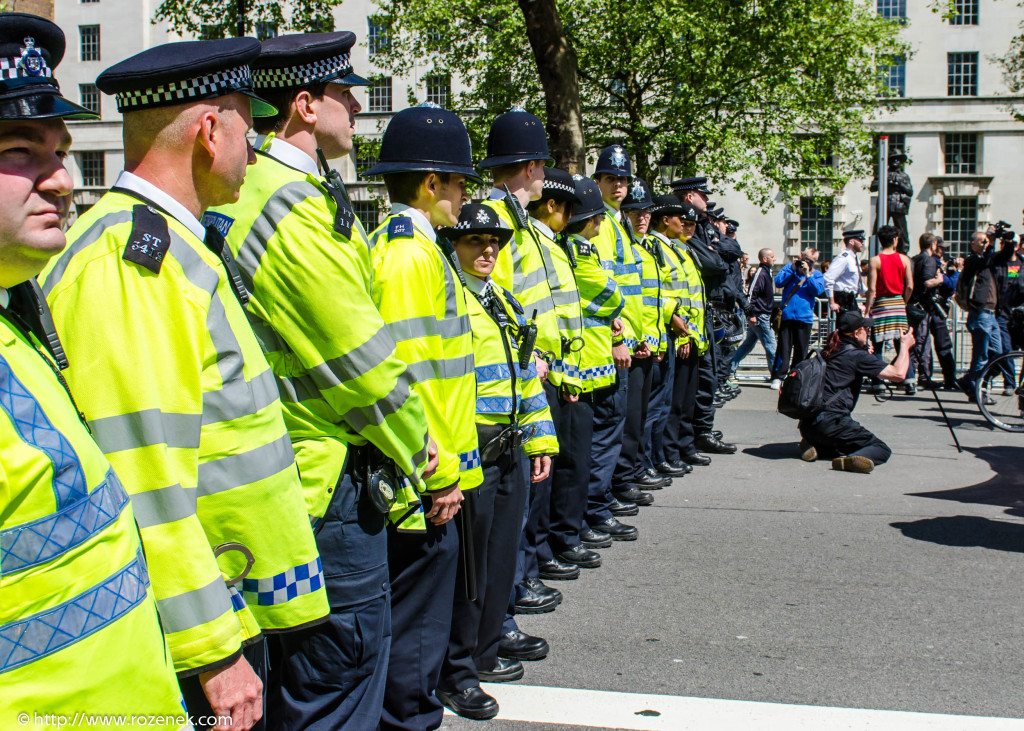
column 591, row 538
column 470, row 703
column 633, row 495
column 652, row 482
column 679, row 464
column 668, row 470
column 516, row 645
column 505, row 671
column 725, row 395
column 555, row 570
column 539, row 587
column 620, row 509
column 581, row 556
column 718, row 403
column 619, row 531
column 698, row 459
column 530, row 602
column 715, row 433
column 708, row 443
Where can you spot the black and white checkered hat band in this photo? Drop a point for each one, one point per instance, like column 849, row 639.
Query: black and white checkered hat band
column 216, row 84
column 15, row 68
column 555, row 185
column 309, row 73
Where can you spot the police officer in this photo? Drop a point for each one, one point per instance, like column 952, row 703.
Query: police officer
column 843, row 281
column 631, row 468
column 709, row 260
column 512, row 417
column 191, row 421
column 613, row 174
column 349, row 402
column 426, row 161
column 75, row 542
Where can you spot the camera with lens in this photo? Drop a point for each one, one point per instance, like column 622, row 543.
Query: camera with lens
column 1002, row 231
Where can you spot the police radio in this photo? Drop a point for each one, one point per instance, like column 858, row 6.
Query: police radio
column 519, row 215
column 344, row 216
column 527, row 339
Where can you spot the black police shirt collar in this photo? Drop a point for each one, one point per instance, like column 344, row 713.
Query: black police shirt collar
column 287, row 154
column 30, row 48
column 306, row 58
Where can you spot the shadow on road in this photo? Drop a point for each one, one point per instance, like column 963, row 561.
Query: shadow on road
column 1005, row 487
column 966, row 530
column 783, row 450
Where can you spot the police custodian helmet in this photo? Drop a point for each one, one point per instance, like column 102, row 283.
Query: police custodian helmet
column 614, row 160
column 638, row 197
column 425, row 139
column 30, row 49
column 591, row 202
column 515, row 136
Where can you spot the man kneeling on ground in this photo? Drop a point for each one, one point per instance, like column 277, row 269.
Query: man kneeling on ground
column 833, row 432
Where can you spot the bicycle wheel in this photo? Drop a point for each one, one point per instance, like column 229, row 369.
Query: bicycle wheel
column 1000, row 391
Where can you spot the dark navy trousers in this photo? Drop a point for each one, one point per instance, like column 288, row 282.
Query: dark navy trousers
column 332, row 675
column 679, row 429
column 609, row 405
column 627, row 467
column 652, row 450
column 570, row 477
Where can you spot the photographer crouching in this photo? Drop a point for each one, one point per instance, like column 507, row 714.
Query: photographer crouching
column 833, row 433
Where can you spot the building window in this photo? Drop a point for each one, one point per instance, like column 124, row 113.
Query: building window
column 89, row 41
column 94, row 168
column 82, row 208
column 962, row 79
column 959, row 222
column 368, row 213
column 815, row 225
column 961, row 153
column 266, row 30
column 90, row 1
column 366, row 157
column 377, row 38
column 379, row 95
column 439, row 89
column 897, row 143
column 892, row 8
column 89, row 97
column 895, row 77
column 966, row 13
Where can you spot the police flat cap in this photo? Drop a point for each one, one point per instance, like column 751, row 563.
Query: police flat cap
column 638, row 197
column 515, row 136
column 301, row 59
column 853, row 234
column 684, row 184
column 732, row 222
column 559, row 186
column 667, row 205
column 476, row 218
column 717, row 213
column 30, row 49
column 187, row 71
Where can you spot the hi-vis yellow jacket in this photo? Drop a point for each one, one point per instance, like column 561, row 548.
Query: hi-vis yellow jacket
column 504, row 392
column 78, row 624
column 520, row 268
column 653, row 312
column 602, row 303
column 331, row 352
column 182, row 401
column 565, row 295
column 688, row 288
column 616, row 253
column 421, row 299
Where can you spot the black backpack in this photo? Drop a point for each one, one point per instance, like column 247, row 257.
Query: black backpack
column 802, row 395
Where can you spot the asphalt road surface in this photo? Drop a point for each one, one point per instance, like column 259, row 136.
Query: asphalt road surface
column 763, row 578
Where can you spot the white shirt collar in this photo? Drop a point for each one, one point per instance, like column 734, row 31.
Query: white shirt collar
column 496, row 194
column 419, row 220
column 5, row 297
column 132, row 182
column 543, row 228
column 661, row 237
column 288, row 154
column 476, row 285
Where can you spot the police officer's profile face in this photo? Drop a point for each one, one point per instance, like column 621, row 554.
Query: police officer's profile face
column 672, row 225
column 697, row 199
column 35, row 196
column 857, row 245
column 689, row 227
column 557, row 214
column 613, row 187
column 477, row 253
column 447, row 198
column 336, row 123
column 535, row 171
column 641, row 219
column 720, row 225
column 593, row 226
column 229, row 148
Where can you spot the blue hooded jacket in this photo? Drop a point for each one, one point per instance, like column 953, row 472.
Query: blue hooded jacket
column 801, row 305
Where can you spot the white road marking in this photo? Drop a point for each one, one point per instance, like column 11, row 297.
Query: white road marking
column 648, row 712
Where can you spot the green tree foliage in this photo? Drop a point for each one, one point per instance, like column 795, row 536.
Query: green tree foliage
column 218, row 18
column 1013, row 72
column 766, row 94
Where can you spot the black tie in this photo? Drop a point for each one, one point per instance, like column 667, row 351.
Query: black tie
column 215, row 242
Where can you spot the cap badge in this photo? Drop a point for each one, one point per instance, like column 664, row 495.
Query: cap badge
column 637, row 191
column 31, row 59
column 577, row 176
column 482, row 217
column 618, row 157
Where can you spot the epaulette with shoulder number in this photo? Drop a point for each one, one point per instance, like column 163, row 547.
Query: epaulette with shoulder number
column 401, row 226
column 149, row 240
column 583, row 248
column 513, row 302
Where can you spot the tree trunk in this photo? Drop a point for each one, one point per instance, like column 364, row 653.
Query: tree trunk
column 557, row 68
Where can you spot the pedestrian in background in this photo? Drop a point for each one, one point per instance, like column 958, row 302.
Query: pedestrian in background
column 890, row 284
column 801, row 285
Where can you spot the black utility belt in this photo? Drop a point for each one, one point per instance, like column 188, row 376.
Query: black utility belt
column 498, row 440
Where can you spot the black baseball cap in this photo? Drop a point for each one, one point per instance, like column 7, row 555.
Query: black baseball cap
column 850, row 321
